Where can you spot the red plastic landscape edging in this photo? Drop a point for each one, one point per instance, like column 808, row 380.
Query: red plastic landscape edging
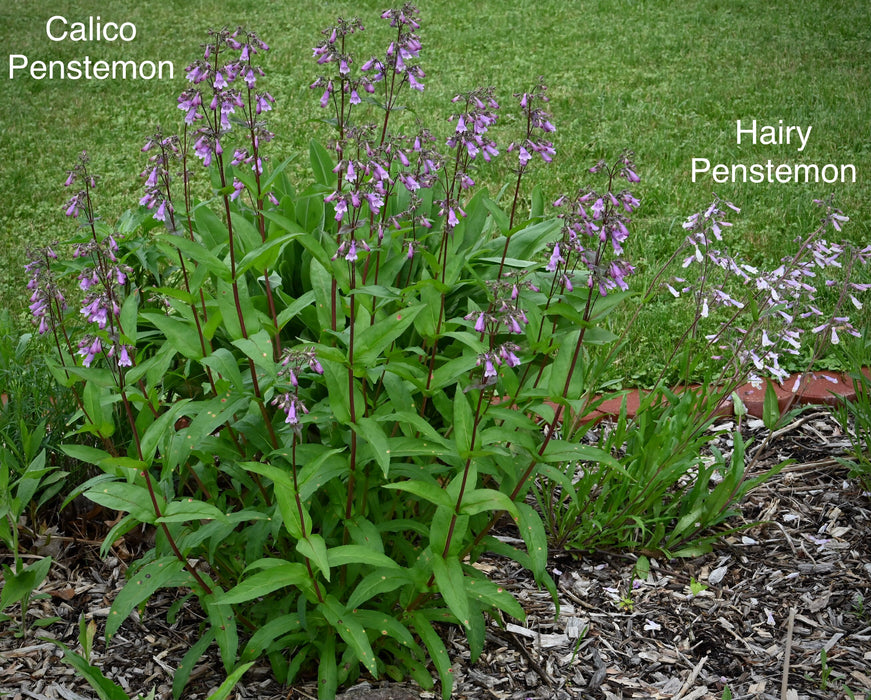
column 808, row 388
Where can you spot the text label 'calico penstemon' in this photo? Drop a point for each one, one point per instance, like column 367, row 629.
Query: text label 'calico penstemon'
column 58, row 29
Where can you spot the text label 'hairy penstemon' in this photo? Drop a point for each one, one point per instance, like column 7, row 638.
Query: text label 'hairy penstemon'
column 783, row 173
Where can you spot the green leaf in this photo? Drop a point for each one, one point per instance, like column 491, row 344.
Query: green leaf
column 225, row 296
column 770, row 407
column 128, row 498
column 437, row 652
column 18, row 586
column 265, row 582
column 268, row 633
column 328, row 675
column 258, row 347
column 293, row 310
column 313, row 547
column 166, row 571
column 384, row 625
column 464, row 421
column 226, row 365
column 186, row 509
column 322, row 164
column 564, row 451
column 374, row 434
column 487, row 500
column 428, row 491
column 105, row 688
column 532, row 531
column 359, row 554
column 499, row 216
column 264, row 256
column 449, row 579
column 374, row 340
column 493, row 596
column 351, row 631
column 197, row 252
column 182, row 334
column 83, row 453
column 129, row 312
column 224, row 690
column 378, row 582
column 183, row 672
column 224, row 625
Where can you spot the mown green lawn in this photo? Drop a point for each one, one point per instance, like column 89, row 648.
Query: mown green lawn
column 668, row 80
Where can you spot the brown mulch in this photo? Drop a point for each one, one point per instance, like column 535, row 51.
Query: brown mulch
column 753, row 616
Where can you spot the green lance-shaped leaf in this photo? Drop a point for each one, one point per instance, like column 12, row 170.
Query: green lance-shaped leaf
column 770, row 407
column 226, row 365
column 182, row 334
column 464, row 421
column 351, row 631
column 265, row 582
column 322, row 164
column 375, row 339
column 358, row 554
column 224, row 690
column 378, row 582
column 227, row 304
column 258, row 347
column 490, row 595
column 532, row 531
column 314, row 548
column 166, row 571
column 186, row 509
column 190, row 659
column 371, row 431
column 437, row 652
column 128, row 498
column 265, row 255
column 499, row 216
column 106, row 689
column 328, row 675
column 449, row 579
column 267, row 634
column 428, row 491
column 129, row 311
column 384, row 626
column 224, row 624
column 18, row 586
column 487, row 500
column 193, row 250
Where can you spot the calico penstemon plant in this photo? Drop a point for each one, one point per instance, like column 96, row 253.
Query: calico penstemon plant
column 301, row 389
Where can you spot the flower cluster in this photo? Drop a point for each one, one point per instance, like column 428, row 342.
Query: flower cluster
column 331, row 50
column 157, row 175
column 537, row 119
column 102, row 282
column 595, row 226
column 785, row 296
column 47, row 301
column 293, row 362
column 222, row 76
column 401, row 52
column 81, row 199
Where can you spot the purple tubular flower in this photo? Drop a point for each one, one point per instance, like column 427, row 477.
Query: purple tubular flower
column 480, row 324
column 555, row 259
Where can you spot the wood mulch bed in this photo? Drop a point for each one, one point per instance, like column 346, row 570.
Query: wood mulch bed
column 753, row 616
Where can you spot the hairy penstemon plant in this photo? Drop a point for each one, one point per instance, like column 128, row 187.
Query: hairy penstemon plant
column 673, row 490
column 324, row 397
